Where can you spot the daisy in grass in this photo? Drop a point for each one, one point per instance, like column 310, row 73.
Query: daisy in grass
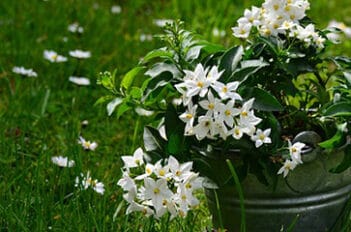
column 75, row 28
column 84, row 182
column 79, row 80
column 87, row 145
column 24, row 72
column 116, row 9
column 79, row 54
column 53, row 57
column 62, row 161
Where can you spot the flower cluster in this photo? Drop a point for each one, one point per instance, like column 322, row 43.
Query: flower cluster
column 221, row 111
column 294, row 158
column 279, row 17
column 159, row 188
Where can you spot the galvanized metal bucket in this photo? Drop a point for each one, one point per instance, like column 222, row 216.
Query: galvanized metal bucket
column 310, row 191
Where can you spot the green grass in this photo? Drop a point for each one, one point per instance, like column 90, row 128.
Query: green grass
column 41, row 117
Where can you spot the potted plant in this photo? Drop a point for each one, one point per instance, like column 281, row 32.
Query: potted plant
column 265, row 122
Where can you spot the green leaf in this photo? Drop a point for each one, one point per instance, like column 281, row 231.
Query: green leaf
column 111, row 106
column 162, row 52
column 230, row 60
column 345, row 163
column 193, row 53
column 128, row 79
column 136, row 92
column 159, row 68
column 103, row 99
column 340, row 109
column 122, row 108
column 152, row 139
column 174, row 131
column 336, row 141
column 155, row 86
column 210, row 48
column 247, row 68
column 264, row 101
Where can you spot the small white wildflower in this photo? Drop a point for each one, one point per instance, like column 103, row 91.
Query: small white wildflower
column 87, row 145
column 79, row 54
column 79, row 80
column 86, row 182
column 116, row 9
column 24, row 72
column 75, row 28
column 62, row 161
column 53, row 57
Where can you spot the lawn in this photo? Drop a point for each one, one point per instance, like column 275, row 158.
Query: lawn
column 43, row 116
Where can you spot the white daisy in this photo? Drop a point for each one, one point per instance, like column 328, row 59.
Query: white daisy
column 79, row 54
column 24, row 72
column 79, row 80
column 62, row 161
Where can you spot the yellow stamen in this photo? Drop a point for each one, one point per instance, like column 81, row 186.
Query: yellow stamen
column 157, row 191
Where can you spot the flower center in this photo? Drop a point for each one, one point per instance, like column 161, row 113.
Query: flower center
column 200, row 84
column 189, row 116
column 178, row 173
column 162, row 172
column 276, row 7
column 244, row 114
column 148, row 171
column 225, row 89
column 227, row 113
column 188, row 185
column 183, row 197
column 211, row 106
column 156, row 191
column 54, row 57
column 261, row 137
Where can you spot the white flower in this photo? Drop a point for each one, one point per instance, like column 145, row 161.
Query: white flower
column 227, row 91
column 295, row 151
column 53, row 57
column 188, row 117
column 261, row 137
column 205, row 128
column 211, row 105
column 185, row 199
column 126, row 182
column 62, row 161
column 162, row 172
column 134, row 161
column 149, row 169
column 75, row 28
column 227, row 113
column 87, row 145
column 24, row 72
column 180, row 171
column 288, row 166
column 116, row 9
column 218, row 33
column 79, row 54
column 135, row 207
column 87, row 182
column 247, row 116
column 79, row 80
column 157, row 191
column 242, row 30
column 253, row 16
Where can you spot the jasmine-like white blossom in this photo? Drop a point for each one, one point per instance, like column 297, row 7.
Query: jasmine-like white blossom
column 261, row 137
column 295, row 151
column 80, row 54
column 289, row 165
column 134, row 161
column 62, row 161
column 53, row 57
column 87, row 145
column 24, row 72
